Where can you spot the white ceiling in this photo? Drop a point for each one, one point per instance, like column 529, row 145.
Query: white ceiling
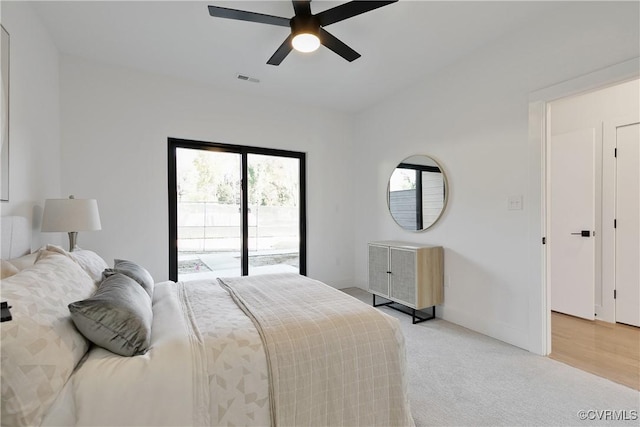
column 400, row 44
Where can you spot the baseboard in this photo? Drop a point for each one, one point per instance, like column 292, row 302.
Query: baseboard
column 498, row 330
column 340, row 283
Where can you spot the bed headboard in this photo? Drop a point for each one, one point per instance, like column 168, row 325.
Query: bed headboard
column 15, row 235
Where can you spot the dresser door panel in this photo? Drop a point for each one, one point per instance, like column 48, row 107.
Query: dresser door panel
column 403, row 276
column 378, row 267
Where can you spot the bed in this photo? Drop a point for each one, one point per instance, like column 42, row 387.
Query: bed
column 97, row 344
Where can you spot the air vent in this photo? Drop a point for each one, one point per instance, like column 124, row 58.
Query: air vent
column 247, row 78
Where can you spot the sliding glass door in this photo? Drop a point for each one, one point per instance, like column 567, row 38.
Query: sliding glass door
column 208, row 212
column 235, row 210
column 274, row 213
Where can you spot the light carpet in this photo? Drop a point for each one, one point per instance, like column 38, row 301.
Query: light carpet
column 458, row 377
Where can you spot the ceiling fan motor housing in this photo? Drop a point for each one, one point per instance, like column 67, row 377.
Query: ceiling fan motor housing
column 305, row 25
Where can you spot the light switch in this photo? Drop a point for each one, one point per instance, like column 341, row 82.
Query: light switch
column 514, row 203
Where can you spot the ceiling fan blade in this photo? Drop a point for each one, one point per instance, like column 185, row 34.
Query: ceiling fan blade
column 241, row 15
column 333, row 43
column 348, row 10
column 302, row 7
column 282, row 52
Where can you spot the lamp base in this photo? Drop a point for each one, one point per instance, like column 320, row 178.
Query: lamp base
column 73, row 237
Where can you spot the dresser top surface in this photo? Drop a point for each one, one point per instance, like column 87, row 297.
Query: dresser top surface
column 401, row 244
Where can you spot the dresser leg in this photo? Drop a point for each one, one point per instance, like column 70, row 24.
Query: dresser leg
column 417, row 319
column 411, row 311
column 388, row 304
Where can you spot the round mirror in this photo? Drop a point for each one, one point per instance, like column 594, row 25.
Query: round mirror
column 417, row 193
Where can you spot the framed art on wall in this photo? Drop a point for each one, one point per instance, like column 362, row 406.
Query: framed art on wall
column 4, row 115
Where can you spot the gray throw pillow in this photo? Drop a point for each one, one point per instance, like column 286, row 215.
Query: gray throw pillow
column 117, row 317
column 133, row 270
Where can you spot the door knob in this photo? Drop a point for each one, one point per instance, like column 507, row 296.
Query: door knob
column 583, row 233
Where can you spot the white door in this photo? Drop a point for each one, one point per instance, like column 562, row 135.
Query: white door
column 627, row 264
column 572, row 268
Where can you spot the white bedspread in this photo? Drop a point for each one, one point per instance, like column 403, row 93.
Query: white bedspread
column 236, row 363
column 163, row 387
column 207, row 365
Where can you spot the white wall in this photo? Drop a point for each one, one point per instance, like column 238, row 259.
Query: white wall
column 34, row 118
column 473, row 118
column 115, row 125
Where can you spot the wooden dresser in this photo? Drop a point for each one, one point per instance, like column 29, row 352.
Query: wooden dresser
column 408, row 274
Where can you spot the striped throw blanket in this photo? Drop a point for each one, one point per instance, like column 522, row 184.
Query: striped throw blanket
column 333, row 360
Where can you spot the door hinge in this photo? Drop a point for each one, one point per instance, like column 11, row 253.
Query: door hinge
column 544, row 240
column 615, row 294
column 615, row 152
column 615, row 223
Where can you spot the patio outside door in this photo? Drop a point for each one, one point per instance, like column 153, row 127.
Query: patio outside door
column 234, row 211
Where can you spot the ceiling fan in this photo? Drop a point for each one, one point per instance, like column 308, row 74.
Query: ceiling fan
column 307, row 29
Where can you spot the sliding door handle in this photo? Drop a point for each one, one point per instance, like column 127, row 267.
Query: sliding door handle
column 583, row 233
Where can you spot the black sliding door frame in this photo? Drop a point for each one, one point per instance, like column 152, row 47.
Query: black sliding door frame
column 244, row 151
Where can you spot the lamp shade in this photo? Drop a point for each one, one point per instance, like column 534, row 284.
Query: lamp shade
column 71, row 215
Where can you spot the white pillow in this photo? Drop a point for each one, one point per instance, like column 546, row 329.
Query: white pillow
column 40, row 345
column 7, row 269
column 24, row 261
column 90, row 261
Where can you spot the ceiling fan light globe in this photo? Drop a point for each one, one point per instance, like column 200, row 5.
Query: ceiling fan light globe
column 305, row 42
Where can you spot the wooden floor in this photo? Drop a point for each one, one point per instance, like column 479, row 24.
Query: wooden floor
column 609, row 350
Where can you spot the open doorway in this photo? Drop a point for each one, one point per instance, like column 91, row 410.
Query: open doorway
column 593, row 223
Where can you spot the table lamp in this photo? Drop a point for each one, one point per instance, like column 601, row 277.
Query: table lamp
column 71, row 215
